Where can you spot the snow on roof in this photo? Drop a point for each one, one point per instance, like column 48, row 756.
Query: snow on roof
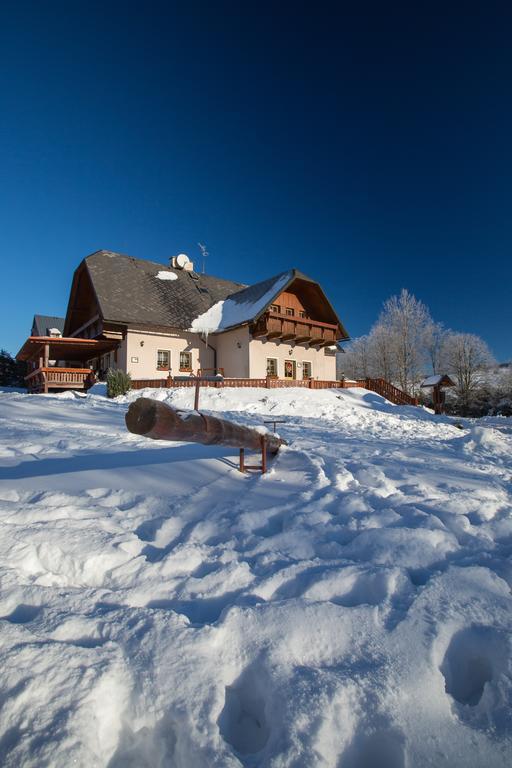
column 241, row 307
column 167, row 275
column 433, row 381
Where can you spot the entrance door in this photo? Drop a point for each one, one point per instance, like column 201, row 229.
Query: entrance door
column 290, row 369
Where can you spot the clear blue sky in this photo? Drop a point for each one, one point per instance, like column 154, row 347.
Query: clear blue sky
column 368, row 144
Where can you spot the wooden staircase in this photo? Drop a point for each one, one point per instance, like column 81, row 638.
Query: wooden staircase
column 390, row 392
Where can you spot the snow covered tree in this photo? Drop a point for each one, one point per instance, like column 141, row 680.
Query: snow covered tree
column 355, row 363
column 382, row 353
column 435, row 335
column 466, row 356
column 404, row 320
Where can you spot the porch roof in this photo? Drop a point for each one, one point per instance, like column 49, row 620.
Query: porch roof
column 65, row 348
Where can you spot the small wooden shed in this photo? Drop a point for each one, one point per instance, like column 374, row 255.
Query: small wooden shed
column 438, row 383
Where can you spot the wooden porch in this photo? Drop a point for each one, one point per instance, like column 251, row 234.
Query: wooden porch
column 42, row 377
column 277, row 326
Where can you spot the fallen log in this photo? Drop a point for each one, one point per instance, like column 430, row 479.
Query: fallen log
column 154, row 419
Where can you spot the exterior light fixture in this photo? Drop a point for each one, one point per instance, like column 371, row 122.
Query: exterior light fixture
column 142, row 343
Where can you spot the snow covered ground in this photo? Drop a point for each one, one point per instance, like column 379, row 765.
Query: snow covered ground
column 351, row 609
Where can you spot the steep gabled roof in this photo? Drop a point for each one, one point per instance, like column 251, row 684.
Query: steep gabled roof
column 133, row 291
column 438, row 379
column 42, row 324
column 247, row 304
column 243, row 306
column 136, row 291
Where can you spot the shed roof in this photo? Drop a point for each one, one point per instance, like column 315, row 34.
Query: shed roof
column 63, row 348
column 439, row 379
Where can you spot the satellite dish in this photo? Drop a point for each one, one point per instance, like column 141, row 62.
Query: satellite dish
column 182, row 260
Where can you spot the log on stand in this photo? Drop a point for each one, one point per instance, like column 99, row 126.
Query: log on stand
column 154, row 419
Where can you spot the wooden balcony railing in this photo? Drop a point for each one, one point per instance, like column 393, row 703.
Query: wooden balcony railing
column 273, row 325
column 43, row 379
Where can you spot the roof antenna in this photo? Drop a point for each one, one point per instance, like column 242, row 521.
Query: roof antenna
column 204, row 254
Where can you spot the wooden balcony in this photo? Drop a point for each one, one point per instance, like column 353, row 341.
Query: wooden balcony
column 273, row 326
column 44, row 379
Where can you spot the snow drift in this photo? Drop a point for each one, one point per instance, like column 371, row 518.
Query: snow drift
column 351, row 609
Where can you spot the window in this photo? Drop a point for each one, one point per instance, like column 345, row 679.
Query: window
column 163, row 360
column 185, row 361
column 307, row 370
column 271, row 366
column 302, row 313
column 290, row 311
column 275, row 308
column 289, row 369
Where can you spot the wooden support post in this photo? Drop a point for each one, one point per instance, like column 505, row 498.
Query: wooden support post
column 242, row 459
column 196, row 396
column 46, row 355
column 263, row 454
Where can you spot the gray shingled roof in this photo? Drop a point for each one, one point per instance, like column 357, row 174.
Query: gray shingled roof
column 129, row 291
column 42, row 323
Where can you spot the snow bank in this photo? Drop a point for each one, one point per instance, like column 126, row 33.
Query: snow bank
column 351, row 608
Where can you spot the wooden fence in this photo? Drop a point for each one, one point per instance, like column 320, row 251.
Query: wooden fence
column 267, row 383
column 380, row 386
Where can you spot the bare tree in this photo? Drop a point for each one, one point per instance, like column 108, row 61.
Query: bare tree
column 466, row 356
column 382, row 353
column 405, row 319
column 435, row 335
column 355, row 363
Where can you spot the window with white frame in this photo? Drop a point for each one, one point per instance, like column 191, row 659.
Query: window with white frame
column 163, row 360
column 290, row 369
column 271, row 366
column 185, row 361
column 307, row 370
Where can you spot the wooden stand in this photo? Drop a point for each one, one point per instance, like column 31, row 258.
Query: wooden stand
column 255, row 467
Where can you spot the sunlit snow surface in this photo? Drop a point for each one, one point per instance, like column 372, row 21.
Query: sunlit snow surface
column 350, row 609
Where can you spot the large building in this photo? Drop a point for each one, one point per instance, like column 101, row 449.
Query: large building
column 156, row 321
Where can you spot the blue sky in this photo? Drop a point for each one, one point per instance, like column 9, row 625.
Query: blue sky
column 369, row 147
